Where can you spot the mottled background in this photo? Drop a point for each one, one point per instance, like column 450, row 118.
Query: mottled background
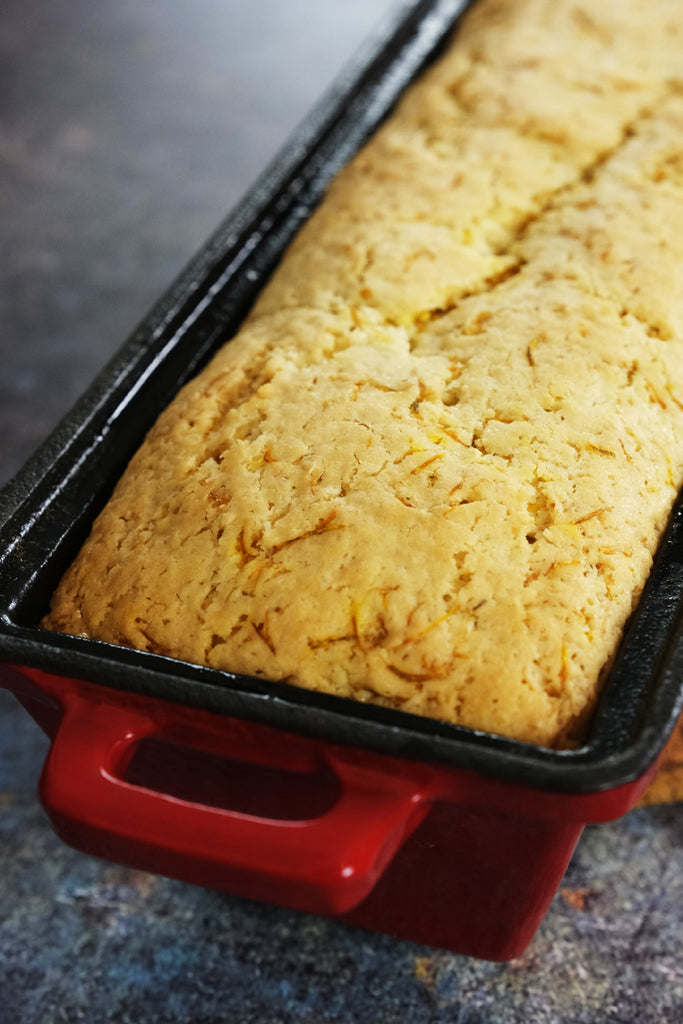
column 127, row 131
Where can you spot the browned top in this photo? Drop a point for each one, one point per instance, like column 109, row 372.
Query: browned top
column 431, row 469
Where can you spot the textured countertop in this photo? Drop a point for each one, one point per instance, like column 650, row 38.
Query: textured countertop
column 127, row 131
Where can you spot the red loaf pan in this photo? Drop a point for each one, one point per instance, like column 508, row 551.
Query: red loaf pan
column 413, row 827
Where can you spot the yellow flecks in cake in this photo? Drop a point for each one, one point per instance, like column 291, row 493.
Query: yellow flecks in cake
column 432, row 468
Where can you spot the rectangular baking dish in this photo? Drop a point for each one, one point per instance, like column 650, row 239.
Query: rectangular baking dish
column 423, row 830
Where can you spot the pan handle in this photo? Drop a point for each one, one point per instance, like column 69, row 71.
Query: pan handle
column 326, row 864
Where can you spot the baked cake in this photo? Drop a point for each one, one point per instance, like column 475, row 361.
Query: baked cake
column 432, row 468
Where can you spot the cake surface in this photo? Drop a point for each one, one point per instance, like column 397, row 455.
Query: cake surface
column 432, row 468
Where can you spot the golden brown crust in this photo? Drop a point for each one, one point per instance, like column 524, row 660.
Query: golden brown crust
column 432, row 468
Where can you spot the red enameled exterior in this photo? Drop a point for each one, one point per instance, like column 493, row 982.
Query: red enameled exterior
column 425, row 852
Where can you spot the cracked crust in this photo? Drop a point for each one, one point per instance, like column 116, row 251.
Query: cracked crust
column 432, row 468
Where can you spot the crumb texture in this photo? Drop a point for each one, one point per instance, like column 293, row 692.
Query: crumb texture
column 431, row 470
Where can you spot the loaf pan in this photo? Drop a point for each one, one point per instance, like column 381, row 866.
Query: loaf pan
column 423, row 830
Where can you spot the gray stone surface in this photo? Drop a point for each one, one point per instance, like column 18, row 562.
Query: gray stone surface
column 127, row 132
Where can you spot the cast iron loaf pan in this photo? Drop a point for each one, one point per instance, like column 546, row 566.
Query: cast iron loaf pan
column 427, row 831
